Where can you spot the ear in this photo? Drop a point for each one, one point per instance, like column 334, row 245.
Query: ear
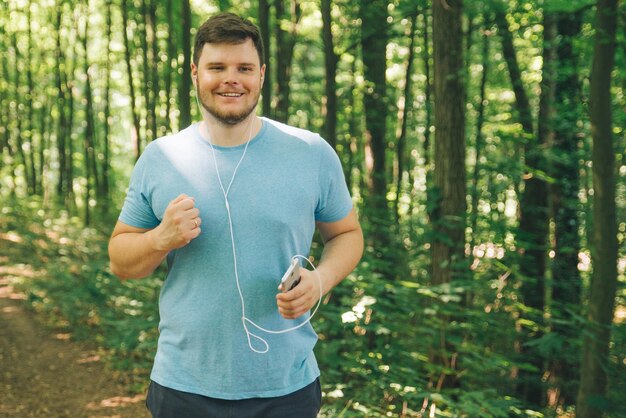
column 262, row 74
column 194, row 74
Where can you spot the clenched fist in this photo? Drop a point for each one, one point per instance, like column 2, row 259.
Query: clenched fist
column 181, row 223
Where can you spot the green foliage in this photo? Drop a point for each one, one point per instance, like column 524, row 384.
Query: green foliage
column 388, row 336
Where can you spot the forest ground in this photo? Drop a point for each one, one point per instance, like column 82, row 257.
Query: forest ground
column 44, row 374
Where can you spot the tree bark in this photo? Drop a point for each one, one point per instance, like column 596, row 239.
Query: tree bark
column 449, row 174
column 61, row 129
column 30, row 118
column 155, row 59
column 170, row 68
column 184, row 86
column 534, row 220
column 480, row 118
column 285, row 44
column 146, row 60
column 264, row 27
column 104, row 190
column 329, row 109
column 5, row 111
column 566, row 288
column 401, row 156
column 595, row 359
column 428, row 117
column 449, row 215
column 374, row 36
column 131, row 84
column 91, row 173
column 17, row 132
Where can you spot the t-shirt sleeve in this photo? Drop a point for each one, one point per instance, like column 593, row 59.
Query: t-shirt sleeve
column 137, row 210
column 334, row 201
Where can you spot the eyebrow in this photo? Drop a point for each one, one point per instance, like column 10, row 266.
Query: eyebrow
column 249, row 64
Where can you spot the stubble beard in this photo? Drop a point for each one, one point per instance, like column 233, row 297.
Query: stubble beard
column 230, row 119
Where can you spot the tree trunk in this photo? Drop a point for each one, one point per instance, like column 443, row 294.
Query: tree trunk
column 448, row 259
column 184, row 86
column 70, row 201
column 30, row 128
column 91, row 174
column 401, row 156
column 285, row 44
column 428, row 116
column 566, row 287
column 264, row 27
column 146, row 74
column 104, row 190
column 131, row 84
column 374, row 36
column 534, row 221
column 18, row 131
column 480, row 118
column 329, row 109
column 170, row 68
column 5, row 111
column 595, row 359
column 508, row 50
column 449, row 175
column 61, row 128
column 155, row 60
column 150, row 67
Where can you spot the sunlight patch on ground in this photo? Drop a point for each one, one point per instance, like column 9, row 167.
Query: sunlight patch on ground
column 116, row 402
column 91, row 359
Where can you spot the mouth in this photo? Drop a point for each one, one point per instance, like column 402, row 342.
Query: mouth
column 230, row 94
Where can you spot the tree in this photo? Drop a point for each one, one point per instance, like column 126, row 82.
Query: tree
column 286, row 31
column 374, row 38
column 449, row 215
column 184, row 85
column 593, row 371
column 131, row 78
column 406, row 113
column 264, row 28
column 564, row 163
column 330, row 68
column 89, row 163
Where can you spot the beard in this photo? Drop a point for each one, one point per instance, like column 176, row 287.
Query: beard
column 228, row 118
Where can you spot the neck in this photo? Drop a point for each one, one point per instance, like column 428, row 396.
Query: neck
column 229, row 135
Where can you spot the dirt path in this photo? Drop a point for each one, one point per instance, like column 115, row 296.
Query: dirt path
column 43, row 375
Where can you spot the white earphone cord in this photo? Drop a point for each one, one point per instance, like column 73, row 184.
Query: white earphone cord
column 245, row 319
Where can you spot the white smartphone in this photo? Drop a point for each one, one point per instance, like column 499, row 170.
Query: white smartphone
column 291, row 278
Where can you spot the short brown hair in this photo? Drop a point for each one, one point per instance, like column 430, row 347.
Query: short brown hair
column 227, row 28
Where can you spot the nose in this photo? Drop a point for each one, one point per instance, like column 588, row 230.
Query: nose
column 231, row 76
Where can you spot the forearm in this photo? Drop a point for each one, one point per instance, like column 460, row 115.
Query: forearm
column 339, row 257
column 134, row 255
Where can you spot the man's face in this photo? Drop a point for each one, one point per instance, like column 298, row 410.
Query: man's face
column 228, row 80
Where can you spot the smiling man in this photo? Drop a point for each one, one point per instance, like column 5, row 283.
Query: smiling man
column 228, row 202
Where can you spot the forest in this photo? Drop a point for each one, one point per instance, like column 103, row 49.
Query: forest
column 483, row 142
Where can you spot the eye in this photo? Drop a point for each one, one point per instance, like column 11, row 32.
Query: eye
column 245, row 69
column 215, row 67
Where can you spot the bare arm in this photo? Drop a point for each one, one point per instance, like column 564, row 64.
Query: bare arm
column 343, row 248
column 136, row 252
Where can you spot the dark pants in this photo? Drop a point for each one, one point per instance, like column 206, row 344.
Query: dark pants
column 169, row 403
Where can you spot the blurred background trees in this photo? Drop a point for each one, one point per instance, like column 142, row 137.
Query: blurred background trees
column 483, row 142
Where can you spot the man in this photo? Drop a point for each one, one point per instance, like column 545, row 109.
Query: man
column 228, row 202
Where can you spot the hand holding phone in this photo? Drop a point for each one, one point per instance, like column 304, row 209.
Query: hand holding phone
column 291, row 278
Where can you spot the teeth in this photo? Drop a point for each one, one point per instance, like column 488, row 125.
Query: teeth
column 230, row 94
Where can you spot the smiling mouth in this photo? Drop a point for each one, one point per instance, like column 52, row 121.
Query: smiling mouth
column 230, row 94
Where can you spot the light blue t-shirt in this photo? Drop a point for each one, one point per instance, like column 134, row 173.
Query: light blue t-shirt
column 288, row 179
